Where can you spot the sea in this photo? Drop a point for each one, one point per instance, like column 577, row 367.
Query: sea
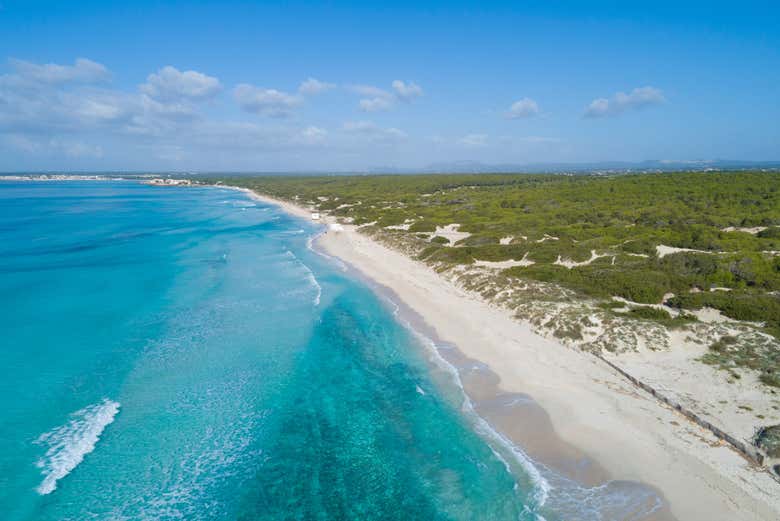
column 186, row 353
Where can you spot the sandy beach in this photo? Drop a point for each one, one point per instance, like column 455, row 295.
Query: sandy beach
column 581, row 409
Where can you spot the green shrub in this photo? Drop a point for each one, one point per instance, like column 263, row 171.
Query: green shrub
column 721, row 345
column 770, row 233
column 423, row 226
column 649, row 313
column 768, row 438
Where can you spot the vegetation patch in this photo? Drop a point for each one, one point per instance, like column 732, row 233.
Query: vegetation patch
column 649, row 313
column 768, row 439
column 730, row 352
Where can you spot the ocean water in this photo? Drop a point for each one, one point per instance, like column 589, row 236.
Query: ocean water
column 183, row 353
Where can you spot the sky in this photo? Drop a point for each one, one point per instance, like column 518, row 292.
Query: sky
column 350, row 86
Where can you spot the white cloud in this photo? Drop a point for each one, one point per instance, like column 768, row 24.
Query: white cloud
column 539, row 140
column 53, row 146
column 63, row 115
column 171, row 153
column 621, row 102
column 314, row 86
column 527, row 141
column 55, row 100
column 171, row 84
column 82, row 71
column 51, row 115
column 474, row 140
column 369, row 91
column 55, row 107
column 268, row 102
column 374, row 104
column 376, row 99
column 524, row 108
column 373, row 132
column 313, row 135
column 97, row 108
column 79, row 149
column 406, row 91
column 233, row 135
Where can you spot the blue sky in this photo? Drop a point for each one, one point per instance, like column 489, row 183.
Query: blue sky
column 350, row 85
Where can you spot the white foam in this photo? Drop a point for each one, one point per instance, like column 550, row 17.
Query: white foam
column 309, row 276
column 610, row 500
column 334, row 260
column 68, row 444
column 315, row 284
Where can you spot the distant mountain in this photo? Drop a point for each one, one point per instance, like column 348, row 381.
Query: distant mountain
column 600, row 166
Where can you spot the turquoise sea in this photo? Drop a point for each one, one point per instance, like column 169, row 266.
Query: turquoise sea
column 184, row 354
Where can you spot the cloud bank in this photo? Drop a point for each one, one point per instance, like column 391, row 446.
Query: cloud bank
column 82, row 71
column 171, row 84
column 313, row 86
column 267, row 102
column 621, row 102
column 376, row 99
column 175, row 118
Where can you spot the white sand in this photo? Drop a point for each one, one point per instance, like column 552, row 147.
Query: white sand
column 525, row 261
column 405, row 226
column 298, row 211
column 709, row 315
column 547, row 238
column 631, row 304
column 591, row 407
column 451, row 233
column 731, row 403
column 662, row 251
column 754, row 230
column 573, row 264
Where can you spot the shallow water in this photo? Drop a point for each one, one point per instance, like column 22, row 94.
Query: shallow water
column 183, row 354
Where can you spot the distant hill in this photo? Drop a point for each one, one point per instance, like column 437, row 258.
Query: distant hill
column 641, row 166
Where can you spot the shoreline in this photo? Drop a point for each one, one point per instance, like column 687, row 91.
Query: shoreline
column 590, row 408
column 502, row 418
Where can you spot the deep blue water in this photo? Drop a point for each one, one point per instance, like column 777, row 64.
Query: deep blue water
column 183, row 354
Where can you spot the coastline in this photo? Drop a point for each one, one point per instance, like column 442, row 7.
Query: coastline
column 582, row 410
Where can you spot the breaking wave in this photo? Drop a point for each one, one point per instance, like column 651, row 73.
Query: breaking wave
column 68, row 444
column 309, row 277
